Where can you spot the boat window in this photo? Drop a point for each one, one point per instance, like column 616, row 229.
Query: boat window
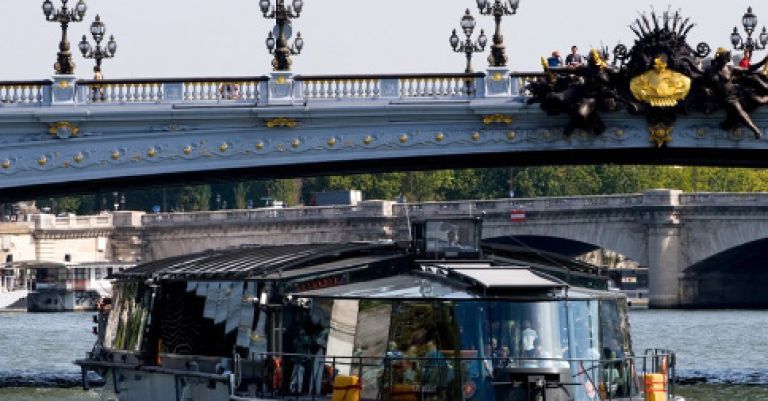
column 371, row 343
column 529, row 330
column 425, row 330
column 451, row 236
column 584, row 333
column 128, row 317
column 615, row 345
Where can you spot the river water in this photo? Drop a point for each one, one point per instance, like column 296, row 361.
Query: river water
column 726, row 350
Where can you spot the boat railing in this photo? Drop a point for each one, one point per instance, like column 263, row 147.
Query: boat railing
column 398, row 377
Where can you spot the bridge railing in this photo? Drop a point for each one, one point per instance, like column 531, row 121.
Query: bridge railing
column 263, row 90
column 724, row 198
column 25, row 93
column 505, row 205
column 245, row 89
column 520, row 80
column 364, row 209
column 314, row 87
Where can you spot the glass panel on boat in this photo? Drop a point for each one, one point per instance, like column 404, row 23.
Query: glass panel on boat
column 371, row 344
column 341, row 338
column 451, row 236
column 129, row 315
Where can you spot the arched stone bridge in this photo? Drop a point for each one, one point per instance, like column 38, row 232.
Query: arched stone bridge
column 694, row 244
column 114, row 133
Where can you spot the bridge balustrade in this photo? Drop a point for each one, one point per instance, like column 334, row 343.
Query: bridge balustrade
column 159, row 90
column 729, row 199
column 24, row 92
column 437, row 86
column 389, row 86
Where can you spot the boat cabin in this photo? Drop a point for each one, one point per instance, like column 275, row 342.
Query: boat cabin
column 442, row 319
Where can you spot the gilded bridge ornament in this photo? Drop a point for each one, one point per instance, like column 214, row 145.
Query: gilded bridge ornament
column 281, row 122
column 661, row 134
column 660, row 77
column 497, row 119
column 660, row 87
column 63, row 129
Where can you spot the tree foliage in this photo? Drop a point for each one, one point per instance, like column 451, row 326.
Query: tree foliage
column 434, row 185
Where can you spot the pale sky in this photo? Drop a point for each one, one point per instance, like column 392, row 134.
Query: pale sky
column 188, row 38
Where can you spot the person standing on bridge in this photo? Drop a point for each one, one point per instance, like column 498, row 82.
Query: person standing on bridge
column 554, row 61
column 574, row 59
column 746, row 60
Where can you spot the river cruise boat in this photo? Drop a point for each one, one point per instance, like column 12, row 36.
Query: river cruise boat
column 441, row 318
column 62, row 287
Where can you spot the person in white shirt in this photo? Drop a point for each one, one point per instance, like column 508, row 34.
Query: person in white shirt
column 529, row 335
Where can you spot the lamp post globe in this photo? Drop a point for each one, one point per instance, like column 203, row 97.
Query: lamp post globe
column 298, row 5
column 468, row 23
column 299, row 42
column 47, row 8
column 84, row 46
column 454, row 40
column 265, row 6
column 749, row 21
column 98, row 29
column 735, row 37
column 112, row 45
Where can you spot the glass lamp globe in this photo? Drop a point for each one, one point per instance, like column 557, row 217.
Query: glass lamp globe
column 468, row 23
column 47, row 8
column 454, row 40
column 298, row 5
column 81, row 8
column 749, row 20
column 112, row 45
column 735, row 37
column 84, row 46
column 482, row 40
column 265, row 4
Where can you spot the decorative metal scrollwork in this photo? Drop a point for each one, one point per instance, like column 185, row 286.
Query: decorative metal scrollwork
column 703, row 50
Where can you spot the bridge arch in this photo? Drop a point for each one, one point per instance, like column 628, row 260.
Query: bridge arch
column 623, row 237
column 710, row 234
column 736, row 277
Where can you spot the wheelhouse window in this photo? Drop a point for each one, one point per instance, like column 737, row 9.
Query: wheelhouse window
column 451, row 237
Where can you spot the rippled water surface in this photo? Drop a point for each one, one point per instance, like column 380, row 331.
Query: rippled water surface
column 727, row 349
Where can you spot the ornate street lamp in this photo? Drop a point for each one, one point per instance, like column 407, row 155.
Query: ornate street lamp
column 749, row 21
column 277, row 40
column 468, row 47
column 498, row 9
column 98, row 53
column 64, row 16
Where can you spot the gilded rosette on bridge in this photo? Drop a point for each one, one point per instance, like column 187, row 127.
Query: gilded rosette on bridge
column 660, row 87
column 281, row 122
column 661, row 134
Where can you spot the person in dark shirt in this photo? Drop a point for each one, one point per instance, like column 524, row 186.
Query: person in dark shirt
column 574, row 59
